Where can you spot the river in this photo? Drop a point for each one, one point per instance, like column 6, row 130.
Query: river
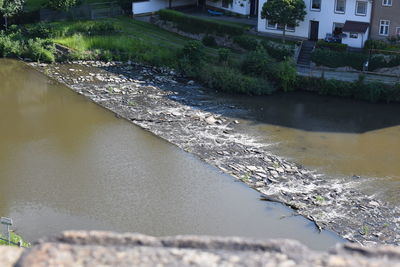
column 66, row 163
column 340, row 137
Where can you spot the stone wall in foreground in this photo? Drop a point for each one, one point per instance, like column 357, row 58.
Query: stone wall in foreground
column 130, row 249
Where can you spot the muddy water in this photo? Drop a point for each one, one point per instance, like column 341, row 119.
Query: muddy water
column 66, row 163
column 340, row 137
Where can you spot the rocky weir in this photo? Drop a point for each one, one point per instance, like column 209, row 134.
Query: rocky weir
column 133, row 249
column 178, row 110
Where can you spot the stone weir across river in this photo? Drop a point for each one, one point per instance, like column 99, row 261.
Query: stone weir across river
column 170, row 106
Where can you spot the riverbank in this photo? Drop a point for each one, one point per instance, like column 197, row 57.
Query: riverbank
column 171, row 107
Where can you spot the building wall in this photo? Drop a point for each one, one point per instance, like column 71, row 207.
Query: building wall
column 155, row 5
column 238, row 6
column 381, row 12
column 326, row 17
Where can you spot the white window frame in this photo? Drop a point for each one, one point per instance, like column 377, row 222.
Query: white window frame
column 276, row 27
column 289, row 29
column 229, row 5
column 353, row 35
column 366, row 8
column 387, row 2
column 384, row 23
column 339, row 11
column 271, row 28
column 315, row 9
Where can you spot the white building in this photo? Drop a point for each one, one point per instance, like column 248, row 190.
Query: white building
column 345, row 19
column 151, row 6
column 242, row 7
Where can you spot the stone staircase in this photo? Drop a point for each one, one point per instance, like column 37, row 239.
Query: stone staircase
column 305, row 53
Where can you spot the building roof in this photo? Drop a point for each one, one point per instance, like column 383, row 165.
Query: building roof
column 355, row 26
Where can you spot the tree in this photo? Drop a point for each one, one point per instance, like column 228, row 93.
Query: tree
column 284, row 12
column 61, row 4
column 9, row 8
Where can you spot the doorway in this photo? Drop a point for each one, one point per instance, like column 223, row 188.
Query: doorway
column 314, row 28
column 253, row 8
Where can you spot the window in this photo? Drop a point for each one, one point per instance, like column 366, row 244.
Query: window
column 271, row 25
column 361, row 8
column 386, row 2
column 280, row 27
column 225, row 4
column 337, row 28
column 384, row 27
column 398, row 31
column 316, row 5
column 340, row 6
column 354, row 35
column 291, row 28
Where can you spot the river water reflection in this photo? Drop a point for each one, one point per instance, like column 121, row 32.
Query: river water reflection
column 66, row 163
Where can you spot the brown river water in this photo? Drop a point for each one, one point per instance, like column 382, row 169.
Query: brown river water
column 342, row 138
column 66, row 163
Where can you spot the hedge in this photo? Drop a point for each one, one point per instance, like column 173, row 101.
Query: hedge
column 199, row 25
column 332, row 46
column 335, row 59
column 369, row 91
column 275, row 50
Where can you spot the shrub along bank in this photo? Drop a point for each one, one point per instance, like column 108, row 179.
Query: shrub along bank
column 368, row 91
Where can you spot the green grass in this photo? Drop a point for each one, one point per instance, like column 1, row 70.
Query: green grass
column 136, row 40
column 15, row 238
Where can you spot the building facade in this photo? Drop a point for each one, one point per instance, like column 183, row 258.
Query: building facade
column 242, row 7
column 385, row 19
column 346, row 21
column 150, row 6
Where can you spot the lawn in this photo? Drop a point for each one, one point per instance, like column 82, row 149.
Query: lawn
column 140, row 40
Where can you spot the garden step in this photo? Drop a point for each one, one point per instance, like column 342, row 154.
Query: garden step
column 304, row 58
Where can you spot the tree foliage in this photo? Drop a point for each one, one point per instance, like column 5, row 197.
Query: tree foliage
column 61, row 4
column 284, row 12
column 9, row 8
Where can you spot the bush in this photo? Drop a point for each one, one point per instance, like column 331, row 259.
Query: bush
column 332, row 46
column 258, row 63
column 40, row 50
column 285, row 74
column 383, row 61
column 194, row 51
column 334, row 59
column 232, row 81
column 224, row 55
column 277, row 50
column 375, row 44
column 246, row 42
column 198, row 25
column 371, row 91
column 39, row 30
column 209, row 40
column 9, row 47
